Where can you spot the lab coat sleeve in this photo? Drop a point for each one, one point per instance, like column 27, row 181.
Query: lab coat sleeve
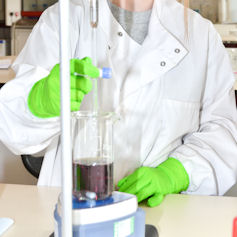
column 210, row 154
column 20, row 130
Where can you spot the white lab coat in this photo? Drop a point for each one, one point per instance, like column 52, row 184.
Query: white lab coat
column 174, row 94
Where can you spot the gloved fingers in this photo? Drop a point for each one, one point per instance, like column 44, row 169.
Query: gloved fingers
column 155, row 200
column 136, row 187
column 122, row 181
column 81, row 83
column 87, row 60
column 144, row 193
column 76, row 95
column 126, row 185
column 84, row 67
column 132, row 179
column 75, row 106
column 89, row 69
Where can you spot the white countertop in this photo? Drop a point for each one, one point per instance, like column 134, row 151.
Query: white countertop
column 32, row 208
column 7, row 74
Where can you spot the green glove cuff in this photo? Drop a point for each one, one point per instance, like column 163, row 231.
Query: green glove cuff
column 34, row 100
column 176, row 173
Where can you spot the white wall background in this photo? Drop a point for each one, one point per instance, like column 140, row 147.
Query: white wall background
column 207, row 8
column 12, row 170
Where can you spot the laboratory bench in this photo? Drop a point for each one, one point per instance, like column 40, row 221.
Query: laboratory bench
column 31, row 208
column 6, row 74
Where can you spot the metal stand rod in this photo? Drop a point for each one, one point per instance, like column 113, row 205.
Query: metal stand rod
column 94, row 60
column 65, row 120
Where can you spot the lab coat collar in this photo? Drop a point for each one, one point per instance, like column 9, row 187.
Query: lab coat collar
column 160, row 52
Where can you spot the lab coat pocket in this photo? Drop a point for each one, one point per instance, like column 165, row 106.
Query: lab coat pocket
column 179, row 118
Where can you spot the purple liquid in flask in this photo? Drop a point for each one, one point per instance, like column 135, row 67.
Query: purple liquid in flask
column 92, row 178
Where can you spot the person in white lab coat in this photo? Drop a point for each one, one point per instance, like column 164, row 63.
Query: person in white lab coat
column 173, row 90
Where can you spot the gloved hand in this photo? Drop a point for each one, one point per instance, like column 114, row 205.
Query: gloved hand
column 154, row 183
column 44, row 97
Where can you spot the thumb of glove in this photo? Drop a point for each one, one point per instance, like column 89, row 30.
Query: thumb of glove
column 155, row 200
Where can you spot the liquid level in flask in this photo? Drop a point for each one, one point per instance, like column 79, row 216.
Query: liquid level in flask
column 92, row 179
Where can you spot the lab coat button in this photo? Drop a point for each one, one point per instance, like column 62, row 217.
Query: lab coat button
column 177, row 50
column 120, row 34
column 109, row 47
column 163, row 63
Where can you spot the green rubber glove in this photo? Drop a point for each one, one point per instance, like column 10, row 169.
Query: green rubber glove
column 44, row 97
column 154, row 183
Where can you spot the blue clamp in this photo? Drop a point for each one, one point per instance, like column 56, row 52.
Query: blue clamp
column 106, row 73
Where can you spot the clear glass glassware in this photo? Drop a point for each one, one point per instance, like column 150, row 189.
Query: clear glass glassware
column 92, row 140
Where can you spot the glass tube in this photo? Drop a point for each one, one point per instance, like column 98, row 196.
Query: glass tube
column 94, row 19
column 92, row 138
